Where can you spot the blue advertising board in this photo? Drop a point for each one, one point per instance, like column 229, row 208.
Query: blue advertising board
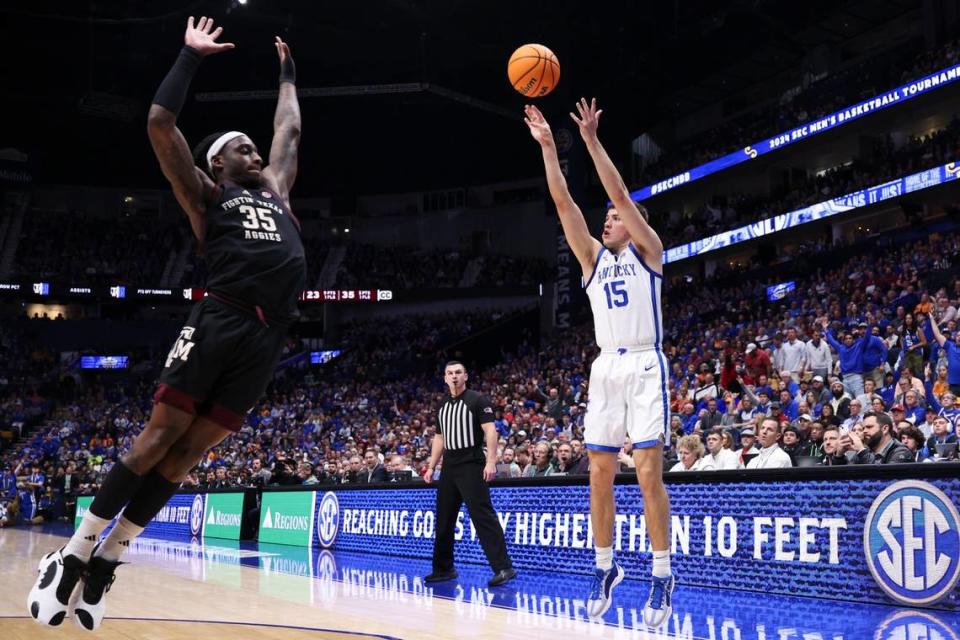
column 871, row 540
column 841, row 204
column 806, row 130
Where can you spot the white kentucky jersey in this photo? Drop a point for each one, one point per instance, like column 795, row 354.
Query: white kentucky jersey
column 625, row 297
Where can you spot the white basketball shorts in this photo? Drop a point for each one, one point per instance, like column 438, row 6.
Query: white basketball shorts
column 628, row 399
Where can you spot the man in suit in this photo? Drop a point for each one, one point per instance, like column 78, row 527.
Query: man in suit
column 372, row 471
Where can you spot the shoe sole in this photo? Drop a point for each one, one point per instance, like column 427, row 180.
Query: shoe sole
column 33, row 598
column 617, row 580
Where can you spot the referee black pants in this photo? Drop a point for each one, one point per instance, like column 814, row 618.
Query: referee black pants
column 464, row 483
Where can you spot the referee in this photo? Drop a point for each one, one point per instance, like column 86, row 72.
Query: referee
column 466, row 420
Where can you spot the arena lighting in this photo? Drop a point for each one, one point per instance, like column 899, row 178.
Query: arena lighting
column 809, row 129
column 856, row 200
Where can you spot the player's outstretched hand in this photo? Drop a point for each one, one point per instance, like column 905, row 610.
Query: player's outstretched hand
column 589, row 118
column 539, row 127
column 203, row 37
column 283, row 49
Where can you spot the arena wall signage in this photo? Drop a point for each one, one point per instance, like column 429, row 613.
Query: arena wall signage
column 809, row 129
column 856, row 200
column 871, row 540
column 211, row 515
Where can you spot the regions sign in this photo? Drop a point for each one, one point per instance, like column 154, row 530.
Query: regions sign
column 212, row 515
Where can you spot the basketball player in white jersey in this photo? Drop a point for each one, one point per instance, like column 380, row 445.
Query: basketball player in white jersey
column 628, row 381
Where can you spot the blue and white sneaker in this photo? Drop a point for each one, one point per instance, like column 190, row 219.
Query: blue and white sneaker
column 601, row 593
column 660, row 601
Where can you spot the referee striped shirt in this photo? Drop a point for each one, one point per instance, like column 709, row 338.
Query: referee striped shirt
column 460, row 421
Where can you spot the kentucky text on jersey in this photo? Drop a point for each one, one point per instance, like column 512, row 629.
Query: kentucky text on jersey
column 624, row 295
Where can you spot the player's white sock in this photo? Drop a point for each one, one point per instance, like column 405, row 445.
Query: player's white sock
column 119, row 539
column 604, row 557
column 661, row 564
column 85, row 537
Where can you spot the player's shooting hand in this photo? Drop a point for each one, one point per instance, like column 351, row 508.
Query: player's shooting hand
column 589, row 118
column 539, row 127
column 203, row 37
column 283, row 49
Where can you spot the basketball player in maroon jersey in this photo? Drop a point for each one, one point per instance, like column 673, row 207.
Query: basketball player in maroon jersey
column 224, row 358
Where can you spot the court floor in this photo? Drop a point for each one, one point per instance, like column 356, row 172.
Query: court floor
column 176, row 589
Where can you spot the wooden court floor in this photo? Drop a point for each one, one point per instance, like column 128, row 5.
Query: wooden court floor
column 174, row 595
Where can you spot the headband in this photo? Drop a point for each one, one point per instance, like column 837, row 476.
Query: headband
column 218, row 145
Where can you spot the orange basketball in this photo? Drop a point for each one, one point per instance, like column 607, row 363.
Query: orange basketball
column 533, row 70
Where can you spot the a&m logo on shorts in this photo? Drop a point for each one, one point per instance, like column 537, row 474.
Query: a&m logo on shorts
column 196, row 515
column 328, row 519
column 912, row 542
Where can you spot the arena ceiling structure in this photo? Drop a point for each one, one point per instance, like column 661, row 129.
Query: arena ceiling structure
column 397, row 95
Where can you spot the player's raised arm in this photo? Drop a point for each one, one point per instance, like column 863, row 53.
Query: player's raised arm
column 282, row 170
column 641, row 233
column 188, row 182
column 584, row 246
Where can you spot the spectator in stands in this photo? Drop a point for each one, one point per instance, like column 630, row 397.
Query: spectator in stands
column 839, row 401
column 305, row 474
column 832, row 453
column 914, row 411
column 719, row 457
column 794, row 355
column 690, row 451
column 851, row 358
column 542, row 459
column 913, row 439
column 523, row 457
column 875, row 354
column 866, row 398
column 259, row 476
column 913, row 340
column 792, row 445
column 819, row 359
column 943, row 433
column 708, row 389
column 952, row 350
column 508, row 467
column 757, row 362
column 712, row 418
column 771, row 455
column 813, row 446
column 879, row 445
column 568, row 464
column 748, row 445
column 373, row 470
column 855, row 417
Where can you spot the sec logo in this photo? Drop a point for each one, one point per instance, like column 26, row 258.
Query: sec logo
column 911, row 539
column 903, row 625
column 196, row 514
column 328, row 519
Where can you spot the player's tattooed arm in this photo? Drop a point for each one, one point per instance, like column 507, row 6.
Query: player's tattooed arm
column 189, row 183
column 641, row 233
column 282, row 170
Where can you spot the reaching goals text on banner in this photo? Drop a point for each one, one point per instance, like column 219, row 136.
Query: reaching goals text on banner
column 870, row 540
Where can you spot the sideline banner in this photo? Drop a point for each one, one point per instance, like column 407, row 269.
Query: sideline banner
column 868, row 540
column 212, row 515
column 891, row 98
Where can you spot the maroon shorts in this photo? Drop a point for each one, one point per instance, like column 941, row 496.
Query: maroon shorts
column 220, row 364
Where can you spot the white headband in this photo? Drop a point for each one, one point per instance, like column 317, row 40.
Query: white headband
column 219, row 143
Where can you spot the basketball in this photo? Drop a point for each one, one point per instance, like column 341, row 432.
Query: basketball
column 533, row 70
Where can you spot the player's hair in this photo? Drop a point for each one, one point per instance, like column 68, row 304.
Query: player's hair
column 451, row 363
column 200, row 152
column 642, row 209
